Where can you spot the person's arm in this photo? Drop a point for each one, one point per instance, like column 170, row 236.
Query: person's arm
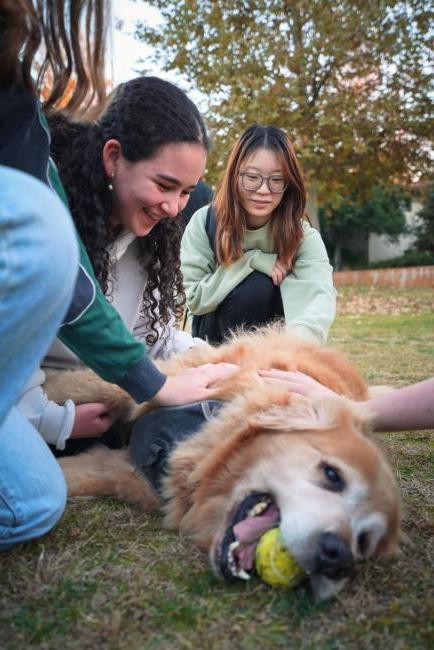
column 406, row 408
column 207, row 284
column 58, row 422
column 411, row 407
column 308, row 294
column 53, row 421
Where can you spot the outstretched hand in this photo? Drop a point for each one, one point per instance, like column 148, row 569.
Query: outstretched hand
column 193, row 385
column 300, row 383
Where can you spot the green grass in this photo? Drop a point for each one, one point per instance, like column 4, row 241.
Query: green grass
column 105, row 578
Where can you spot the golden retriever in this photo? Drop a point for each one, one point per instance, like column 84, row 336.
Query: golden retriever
column 268, row 458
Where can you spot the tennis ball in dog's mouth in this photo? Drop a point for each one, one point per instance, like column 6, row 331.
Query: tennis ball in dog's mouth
column 274, row 564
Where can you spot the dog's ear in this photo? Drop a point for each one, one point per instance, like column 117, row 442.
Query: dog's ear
column 298, row 413
column 344, row 413
column 303, row 414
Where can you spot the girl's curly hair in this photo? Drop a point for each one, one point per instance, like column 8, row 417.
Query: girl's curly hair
column 144, row 114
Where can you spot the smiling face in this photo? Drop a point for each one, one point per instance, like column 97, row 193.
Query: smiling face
column 146, row 191
column 260, row 203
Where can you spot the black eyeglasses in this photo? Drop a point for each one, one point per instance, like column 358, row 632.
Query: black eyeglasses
column 252, row 182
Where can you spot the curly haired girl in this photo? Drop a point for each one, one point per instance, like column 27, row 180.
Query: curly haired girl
column 127, row 175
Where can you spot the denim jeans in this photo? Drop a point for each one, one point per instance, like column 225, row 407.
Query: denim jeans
column 38, row 267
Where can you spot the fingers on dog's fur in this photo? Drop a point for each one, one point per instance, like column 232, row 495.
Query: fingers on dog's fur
column 273, row 347
column 268, row 348
column 108, row 472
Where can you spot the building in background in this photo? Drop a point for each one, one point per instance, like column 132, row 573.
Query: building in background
column 381, row 247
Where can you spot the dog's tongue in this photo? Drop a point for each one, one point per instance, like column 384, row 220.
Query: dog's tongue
column 250, row 530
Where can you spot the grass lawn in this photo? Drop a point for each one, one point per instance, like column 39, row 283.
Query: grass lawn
column 107, row 579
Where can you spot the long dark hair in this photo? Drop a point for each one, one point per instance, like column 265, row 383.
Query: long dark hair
column 143, row 114
column 286, row 221
column 73, row 35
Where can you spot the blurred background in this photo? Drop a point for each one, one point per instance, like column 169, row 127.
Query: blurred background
column 350, row 81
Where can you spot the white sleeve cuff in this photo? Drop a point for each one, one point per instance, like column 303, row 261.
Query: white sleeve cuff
column 56, row 423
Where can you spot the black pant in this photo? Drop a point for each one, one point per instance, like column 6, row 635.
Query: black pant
column 115, row 438
column 255, row 301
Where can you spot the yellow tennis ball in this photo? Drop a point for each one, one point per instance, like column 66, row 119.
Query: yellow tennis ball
column 274, row 564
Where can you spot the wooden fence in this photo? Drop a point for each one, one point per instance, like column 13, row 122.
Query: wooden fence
column 411, row 276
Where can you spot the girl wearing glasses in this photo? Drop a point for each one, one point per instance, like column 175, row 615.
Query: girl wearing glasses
column 252, row 256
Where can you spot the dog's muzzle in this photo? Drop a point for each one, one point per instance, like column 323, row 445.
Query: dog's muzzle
column 333, row 557
column 328, row 564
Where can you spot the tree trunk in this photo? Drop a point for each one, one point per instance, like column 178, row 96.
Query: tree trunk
column 337, row 256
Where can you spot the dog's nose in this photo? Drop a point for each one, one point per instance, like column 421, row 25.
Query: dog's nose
column 333, row 557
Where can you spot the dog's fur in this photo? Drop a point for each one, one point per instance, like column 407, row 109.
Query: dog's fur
column 315, row 459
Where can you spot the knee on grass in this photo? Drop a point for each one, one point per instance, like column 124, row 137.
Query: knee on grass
column 37, row 514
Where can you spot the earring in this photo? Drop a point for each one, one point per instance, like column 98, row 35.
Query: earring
column 110, row 183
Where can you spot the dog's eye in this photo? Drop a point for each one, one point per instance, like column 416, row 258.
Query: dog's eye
column 363, row 542
column 335, row 481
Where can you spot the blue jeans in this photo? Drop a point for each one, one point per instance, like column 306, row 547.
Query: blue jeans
column 38, row 266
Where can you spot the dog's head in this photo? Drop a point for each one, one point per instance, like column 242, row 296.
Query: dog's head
column 309, row 468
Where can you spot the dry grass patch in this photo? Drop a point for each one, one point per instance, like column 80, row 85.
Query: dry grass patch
column 393, row 301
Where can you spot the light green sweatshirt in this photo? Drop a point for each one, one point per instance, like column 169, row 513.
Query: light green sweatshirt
column 308, row 295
